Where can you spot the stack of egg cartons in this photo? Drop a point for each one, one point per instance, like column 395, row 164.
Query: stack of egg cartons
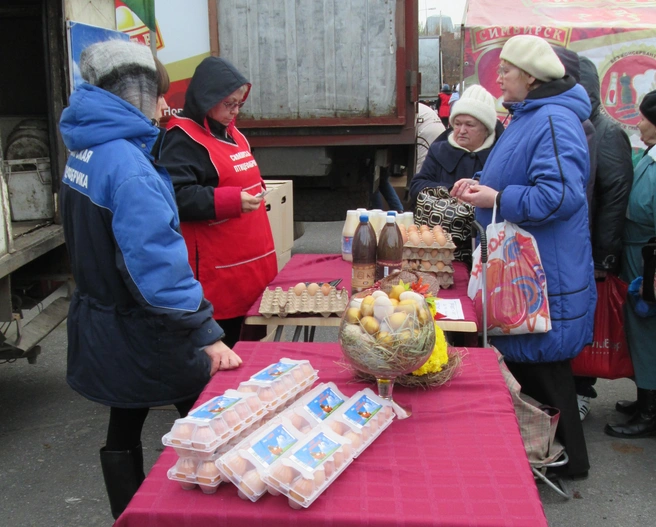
column 223, row 421
column 301, row 451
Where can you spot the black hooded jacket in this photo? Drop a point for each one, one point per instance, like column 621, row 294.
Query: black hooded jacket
column 614, row 177
column 192, row 173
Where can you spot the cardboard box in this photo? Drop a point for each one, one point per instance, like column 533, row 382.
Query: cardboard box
column 280, row 210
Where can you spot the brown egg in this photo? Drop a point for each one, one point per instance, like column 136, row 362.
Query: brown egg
column 440, row 266
column 440, row 239
column 313, row 288
column 420, row 252
column 404, row 235
column 299, row 288
column 434, row 253
column 414, row 238
column 427, row 237
column 426, row 265
column 423, row 228
column 412, row 228
column 326, row 289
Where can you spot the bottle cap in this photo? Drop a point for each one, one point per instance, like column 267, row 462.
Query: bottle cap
column 391, row 213
column 364, row 218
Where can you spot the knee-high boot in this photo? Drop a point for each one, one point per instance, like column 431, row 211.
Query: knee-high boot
column 123, row 473
column 643, row 422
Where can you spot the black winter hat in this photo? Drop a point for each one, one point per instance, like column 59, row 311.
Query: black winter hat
column 571, row 62
column 648, row 107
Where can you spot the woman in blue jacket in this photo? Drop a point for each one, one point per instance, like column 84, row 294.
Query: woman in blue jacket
column 140, row 332
column 537, row 175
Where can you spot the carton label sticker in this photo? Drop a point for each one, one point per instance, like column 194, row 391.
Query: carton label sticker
column 273, row 445
column 316, row 451
column 214, row 407
column 273, row 372
column 324, row 404
column 361, row 411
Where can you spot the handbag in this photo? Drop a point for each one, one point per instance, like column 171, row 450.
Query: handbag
column 435, row 206
column 516, row 284
column 608, row 356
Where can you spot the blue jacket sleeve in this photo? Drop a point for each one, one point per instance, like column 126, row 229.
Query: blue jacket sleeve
column 154, row 259
column 557, row 175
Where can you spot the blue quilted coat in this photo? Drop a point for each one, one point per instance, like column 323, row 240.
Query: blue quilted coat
column 540, row 165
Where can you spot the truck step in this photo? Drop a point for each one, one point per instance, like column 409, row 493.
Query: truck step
column 41, row 325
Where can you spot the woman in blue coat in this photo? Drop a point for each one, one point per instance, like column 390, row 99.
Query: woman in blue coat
column 537, row 175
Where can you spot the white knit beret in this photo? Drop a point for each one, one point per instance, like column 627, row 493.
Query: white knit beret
column 124, row 68
column 477, row 102
column 533, row 55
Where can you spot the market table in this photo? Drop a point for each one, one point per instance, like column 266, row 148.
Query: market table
column 328, row 267
column 458, row 461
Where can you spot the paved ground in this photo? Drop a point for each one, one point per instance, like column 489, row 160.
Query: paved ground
column 50, row 436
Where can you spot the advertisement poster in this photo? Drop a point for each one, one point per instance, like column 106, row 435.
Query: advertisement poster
column 79, row 37
column 182, row 40
column 618, row 36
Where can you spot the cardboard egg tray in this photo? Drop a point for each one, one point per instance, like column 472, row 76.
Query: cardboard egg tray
column 281, row 303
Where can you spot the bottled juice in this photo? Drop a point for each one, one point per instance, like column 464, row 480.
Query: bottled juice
column 389, row 254
column 348, row 232
column 364, row 256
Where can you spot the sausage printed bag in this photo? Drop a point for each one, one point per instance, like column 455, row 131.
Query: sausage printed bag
column 516, row 285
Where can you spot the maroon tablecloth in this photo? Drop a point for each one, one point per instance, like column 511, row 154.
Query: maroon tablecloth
column 328, row 267
column 458, row 461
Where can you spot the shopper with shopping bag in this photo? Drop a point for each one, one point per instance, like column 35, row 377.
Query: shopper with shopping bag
column 537, row 175
column 639, row 228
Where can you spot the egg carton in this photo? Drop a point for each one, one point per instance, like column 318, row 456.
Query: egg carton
column 244, row 464
column 321, row 402
column 362, row 419
column 448, row 246
column 191, row 472
column 213, row 424
column 282, row 303
column 310, row 467
column 441, row 254
column 279, row 384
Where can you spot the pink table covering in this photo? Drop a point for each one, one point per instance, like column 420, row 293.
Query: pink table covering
column 458, row 461
column 328, row 267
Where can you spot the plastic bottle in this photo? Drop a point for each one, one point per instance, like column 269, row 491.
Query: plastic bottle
column 376, row 220
column 389, row 254
column 364, row 256
column 408, row 219
column 348, row 232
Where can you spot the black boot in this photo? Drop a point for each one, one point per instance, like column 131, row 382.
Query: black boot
column 643, row 423
column 123, row 473
column 626, row 407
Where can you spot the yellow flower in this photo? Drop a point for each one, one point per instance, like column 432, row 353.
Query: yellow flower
column 439, row 357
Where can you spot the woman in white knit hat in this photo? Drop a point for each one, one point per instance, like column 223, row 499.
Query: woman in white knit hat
column 537, row 175
column 461, row 151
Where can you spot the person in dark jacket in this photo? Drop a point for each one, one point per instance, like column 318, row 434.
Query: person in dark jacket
column 140, row 332
column 536, row 175
column 460, row 152
column 608, row 201
column 216, row 182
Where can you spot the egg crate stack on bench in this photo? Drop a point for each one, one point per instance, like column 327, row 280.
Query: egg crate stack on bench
column 432, row 254
column 327, row 301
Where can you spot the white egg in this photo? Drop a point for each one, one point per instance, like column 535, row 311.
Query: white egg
column 383, row 307
column 378, row 293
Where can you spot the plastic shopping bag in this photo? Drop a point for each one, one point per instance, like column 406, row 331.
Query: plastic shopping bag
column 516, row 286
column 608, row 356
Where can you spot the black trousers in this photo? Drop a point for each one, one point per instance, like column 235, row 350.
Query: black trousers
column 552, row 383
column 126, row 424
column 232, row 328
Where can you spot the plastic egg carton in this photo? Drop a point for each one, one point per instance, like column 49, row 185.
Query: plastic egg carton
column 280, row 383
column 310, row 467
column 245, row 464
column 278, row 302
column 214, row 424
column 191, row 472
column 320, row 402
column 362, row 419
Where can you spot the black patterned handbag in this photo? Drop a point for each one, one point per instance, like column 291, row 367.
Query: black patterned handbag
column 435, row 206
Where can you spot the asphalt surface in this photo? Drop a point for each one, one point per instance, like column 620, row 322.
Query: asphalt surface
column 50, row 436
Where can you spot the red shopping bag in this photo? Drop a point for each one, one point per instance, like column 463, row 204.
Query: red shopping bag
column 608, row 357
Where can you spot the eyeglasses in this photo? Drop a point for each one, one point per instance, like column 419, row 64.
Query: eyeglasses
column 230, row 106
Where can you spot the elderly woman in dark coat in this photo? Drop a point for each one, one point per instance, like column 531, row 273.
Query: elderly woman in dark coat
column 461, row 152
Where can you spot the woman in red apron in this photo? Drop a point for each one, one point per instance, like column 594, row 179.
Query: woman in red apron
column 216, row 180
